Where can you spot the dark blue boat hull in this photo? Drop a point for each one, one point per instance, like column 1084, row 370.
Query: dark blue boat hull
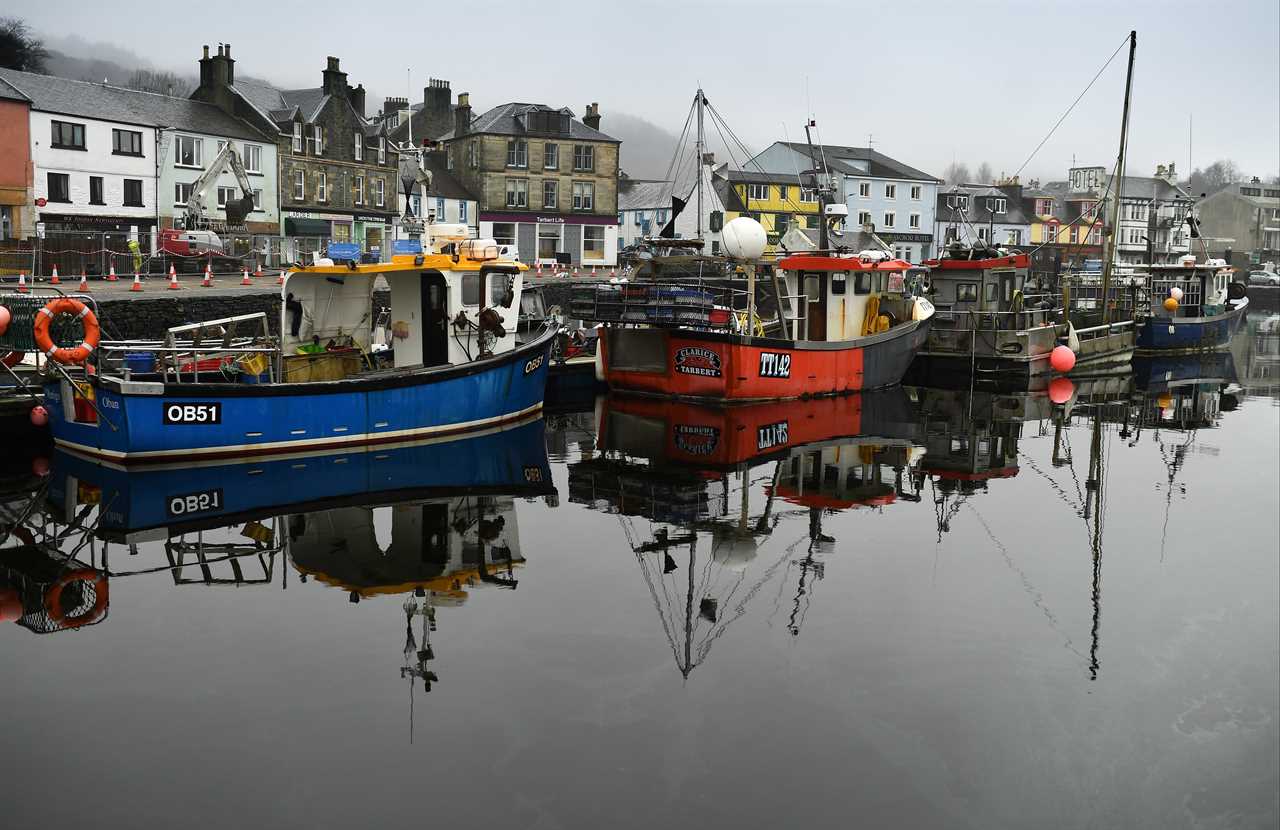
column 1165, row 334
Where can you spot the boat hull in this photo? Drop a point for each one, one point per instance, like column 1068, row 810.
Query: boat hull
column 165, row 422
column 1192, row 334
column 713, row 366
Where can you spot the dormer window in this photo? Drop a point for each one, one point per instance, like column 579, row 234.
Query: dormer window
column 297, row 136
column 359, row 147
column 382, row 150
column 960, row 202
column 997, row 205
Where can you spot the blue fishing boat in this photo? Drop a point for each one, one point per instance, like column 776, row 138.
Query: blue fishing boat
column 1193, row 307
column 454, row 361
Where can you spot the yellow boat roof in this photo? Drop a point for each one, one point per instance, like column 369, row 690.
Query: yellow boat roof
column 410, row 262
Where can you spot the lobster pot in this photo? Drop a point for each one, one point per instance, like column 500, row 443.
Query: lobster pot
column 20, row 336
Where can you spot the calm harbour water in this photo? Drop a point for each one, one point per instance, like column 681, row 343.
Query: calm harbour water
column 952, row 609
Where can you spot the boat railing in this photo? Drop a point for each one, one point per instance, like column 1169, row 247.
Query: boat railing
column 208, row 347
column 1104, row 330
column 980, row 320
column 657, row 304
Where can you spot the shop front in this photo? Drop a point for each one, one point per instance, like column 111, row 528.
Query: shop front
column 548, row 238
column 91, row 244
column 307, row 231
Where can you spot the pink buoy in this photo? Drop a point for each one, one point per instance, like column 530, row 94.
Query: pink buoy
column 5, row 317
column 1062, row 359
column 39, row 416
column 1060, row 390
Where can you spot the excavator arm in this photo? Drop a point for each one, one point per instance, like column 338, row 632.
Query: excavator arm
column 236, row 210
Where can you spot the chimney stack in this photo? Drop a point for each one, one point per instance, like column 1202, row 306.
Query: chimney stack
column 355, row 94
column 592, row 118
column 437, row 115
column 462, row 115
column 335, row 80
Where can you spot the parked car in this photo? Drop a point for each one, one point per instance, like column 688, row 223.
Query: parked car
column 1264, row 278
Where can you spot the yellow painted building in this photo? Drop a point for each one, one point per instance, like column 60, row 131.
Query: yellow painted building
column 776, row 202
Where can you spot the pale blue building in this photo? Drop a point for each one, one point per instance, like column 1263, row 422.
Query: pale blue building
column 896, row 200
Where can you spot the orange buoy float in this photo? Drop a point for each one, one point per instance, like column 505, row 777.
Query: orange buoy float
column 1060, row 390
column 53, row 599
column 5, row 317
column 67, row 305
column 1170, row 304
column 1062, row 359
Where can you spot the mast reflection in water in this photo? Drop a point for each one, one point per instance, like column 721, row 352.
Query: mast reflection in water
column 910, row 584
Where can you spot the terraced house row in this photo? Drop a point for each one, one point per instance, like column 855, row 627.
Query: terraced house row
column 85, row 157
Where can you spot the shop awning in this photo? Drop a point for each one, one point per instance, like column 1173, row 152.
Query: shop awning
column 306, row 227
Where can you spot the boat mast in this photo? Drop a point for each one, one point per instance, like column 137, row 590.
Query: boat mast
column 699, row 100
column 820, row 183
column 1118, row 185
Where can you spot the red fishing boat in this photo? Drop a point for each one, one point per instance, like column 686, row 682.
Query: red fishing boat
column 845, row 323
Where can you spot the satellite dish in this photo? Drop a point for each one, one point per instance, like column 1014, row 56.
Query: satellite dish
column 744, row 238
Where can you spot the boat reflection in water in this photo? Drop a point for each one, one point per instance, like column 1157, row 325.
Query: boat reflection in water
column 730, row 478
column 451, row 504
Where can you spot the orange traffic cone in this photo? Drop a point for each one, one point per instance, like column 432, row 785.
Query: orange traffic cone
column 593, row 272
column 54, row 279
column 613, row 273
column 173, row 272
column 245, row 280
column 207, row 282
column 173, row 279
column 111, row 275
column 575, row 271
column 537, row 271
column 137, row 282
column 280, row 279
column 22, row 283
column 259, row 273
column 84, row 283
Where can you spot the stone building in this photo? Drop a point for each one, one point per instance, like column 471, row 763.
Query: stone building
column 1243, row 219
column 546, row 182
column 338, row 170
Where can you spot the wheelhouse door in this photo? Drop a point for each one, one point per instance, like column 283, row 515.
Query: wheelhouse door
column 435, row 320
column 815, row 291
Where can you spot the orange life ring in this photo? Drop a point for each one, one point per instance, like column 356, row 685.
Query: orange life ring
column 12, row 359
column 53, row 599
column 66, row 305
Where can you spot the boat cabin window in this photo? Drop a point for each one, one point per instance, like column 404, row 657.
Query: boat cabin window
column 812, row 285
column 862, row 282
column 471, row 289
column 501, row 289
column 991, row 292
column 1008, row 290
column 966, row 292
column 838, row 283
column 531, row 304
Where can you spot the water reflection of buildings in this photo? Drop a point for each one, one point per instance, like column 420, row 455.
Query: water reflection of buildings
column 715, row 485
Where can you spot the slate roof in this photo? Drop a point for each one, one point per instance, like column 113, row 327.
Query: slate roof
column 84, row 99
column 1016, row 212
column 308, row 101
column 9, row 92
column 443, row 182
column 1151, row 187
column 419, row 117
column 877, row 163
column 645, row 195
column 501, row 120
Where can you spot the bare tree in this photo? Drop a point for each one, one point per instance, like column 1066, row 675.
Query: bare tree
column 985, row 174
column 956, row 173
column 154, row 80
column 19, row 48
column 1216, row 176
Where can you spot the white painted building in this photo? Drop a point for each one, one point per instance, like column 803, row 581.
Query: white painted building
column 114, row 160
column 644, row 208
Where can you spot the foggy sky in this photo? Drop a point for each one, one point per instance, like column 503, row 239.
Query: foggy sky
column 929, row 81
